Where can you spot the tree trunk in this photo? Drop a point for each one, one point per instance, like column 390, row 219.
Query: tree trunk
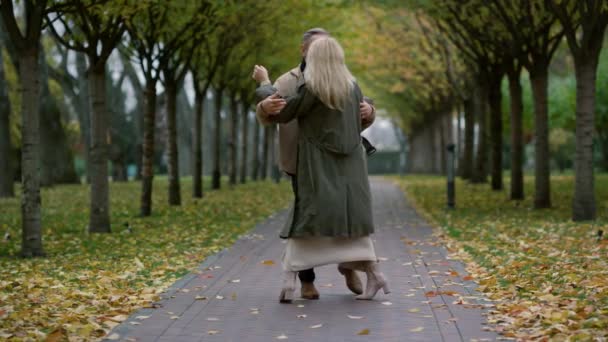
column 197, row 135
column 232, row 144
column 100, row 208
column 6, row 148
column 443, row 138
column 57, row 161
column 217, row 174
column 265, row 151
column 256, row 150
column 174, row 188
column 469, row 139
column 147, row 170
column 517, row 137
column 459, row 139
column 30, row 154
column 480, row 170
column 583, row 205
column 244, row 139
column 542, row 172
column 84, row 110
column 433, row 145
column 495, row 101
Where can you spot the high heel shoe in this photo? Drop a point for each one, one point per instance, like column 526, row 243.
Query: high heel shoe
column 375, row 282
column 289, row 287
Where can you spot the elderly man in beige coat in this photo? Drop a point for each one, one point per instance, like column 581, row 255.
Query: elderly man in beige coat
column 286, row 86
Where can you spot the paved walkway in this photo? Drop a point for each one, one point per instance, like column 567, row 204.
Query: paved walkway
column 234, row 295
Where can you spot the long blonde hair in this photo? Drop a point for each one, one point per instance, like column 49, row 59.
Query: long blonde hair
column 326, row 73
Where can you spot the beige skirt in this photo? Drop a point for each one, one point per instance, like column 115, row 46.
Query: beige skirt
column 305, row 253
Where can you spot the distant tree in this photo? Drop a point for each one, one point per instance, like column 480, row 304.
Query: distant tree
column 158, row 35
column 174, row 64
column 76, row 90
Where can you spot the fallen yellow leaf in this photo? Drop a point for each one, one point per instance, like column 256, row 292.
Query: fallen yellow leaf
column 363, row 332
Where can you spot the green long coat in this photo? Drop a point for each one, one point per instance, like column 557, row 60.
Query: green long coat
column 333, row 195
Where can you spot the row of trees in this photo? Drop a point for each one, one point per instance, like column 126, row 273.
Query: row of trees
column 421, row 61
column 160, row 43
column 456, row 56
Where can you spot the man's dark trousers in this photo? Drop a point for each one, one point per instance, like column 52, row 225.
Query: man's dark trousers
column 306, row 276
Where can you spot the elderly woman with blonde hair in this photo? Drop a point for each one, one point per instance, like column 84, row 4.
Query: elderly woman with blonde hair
column 331, row 220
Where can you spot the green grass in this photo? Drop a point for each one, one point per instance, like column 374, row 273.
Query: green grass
column 89, row 282
column 550, row 274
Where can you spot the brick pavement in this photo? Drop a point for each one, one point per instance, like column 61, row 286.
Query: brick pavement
column 233, row 296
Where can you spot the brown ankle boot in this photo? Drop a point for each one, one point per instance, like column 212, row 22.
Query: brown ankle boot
column 309, row 291
column 352, row 280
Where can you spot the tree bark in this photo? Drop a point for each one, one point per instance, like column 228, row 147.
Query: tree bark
column 232, row 144
column 583, row 204
column 256, row 150
column 174, row 187
column 30, row 154
column 6, row 148
column 480, row 169
column 244, row 140
column 517, row 143
column 542, row 172
column 98, row 157
column 147, row 171
column 495, row 101
column 197, row 150
column 217, row 174
column 469, row 139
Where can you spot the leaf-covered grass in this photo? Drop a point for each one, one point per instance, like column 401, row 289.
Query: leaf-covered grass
column 548, row 274
column 89, row 283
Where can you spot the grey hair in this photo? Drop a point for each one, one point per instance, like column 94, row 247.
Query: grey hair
column 313, row 31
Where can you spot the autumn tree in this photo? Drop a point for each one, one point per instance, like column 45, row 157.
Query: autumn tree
column 584, row 23
column 203, row 68
column 534, row 48
column 26, row 41
column 100, row 27
column 174, row 65
column 239, row 19
column 156, row 34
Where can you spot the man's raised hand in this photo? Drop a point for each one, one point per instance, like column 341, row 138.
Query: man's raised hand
column 260, row 74
column 273, row 104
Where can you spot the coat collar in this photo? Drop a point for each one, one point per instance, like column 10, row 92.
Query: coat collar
column 296, row 72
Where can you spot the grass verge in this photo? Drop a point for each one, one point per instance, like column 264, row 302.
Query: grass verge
column 548, row 274
column 90, row 283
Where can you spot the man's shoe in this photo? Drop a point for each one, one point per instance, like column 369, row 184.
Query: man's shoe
column 309, row 291
column 352, row 280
